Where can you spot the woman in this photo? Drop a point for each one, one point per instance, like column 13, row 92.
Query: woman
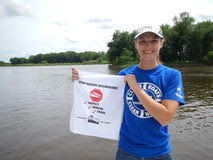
column 151, row 98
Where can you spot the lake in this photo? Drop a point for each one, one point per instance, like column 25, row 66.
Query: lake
column 35, row 107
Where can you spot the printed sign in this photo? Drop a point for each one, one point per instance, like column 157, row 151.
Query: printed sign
column 97, row 105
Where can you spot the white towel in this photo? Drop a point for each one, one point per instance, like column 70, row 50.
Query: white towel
column 97, row 105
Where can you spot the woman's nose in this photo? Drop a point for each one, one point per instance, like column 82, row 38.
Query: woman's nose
column 148, row 45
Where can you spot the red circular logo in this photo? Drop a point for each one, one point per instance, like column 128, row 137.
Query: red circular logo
column 96, row 95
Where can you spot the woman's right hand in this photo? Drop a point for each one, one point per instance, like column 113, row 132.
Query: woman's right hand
column 75, row 75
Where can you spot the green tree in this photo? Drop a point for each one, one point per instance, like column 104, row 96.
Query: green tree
column 17, row 60
column 208, row 59
column 183, row 26
column 186, row 41
column 36, row 58
column 201, row 41
column 126, row 57
column 121, row 40
column 14, row 60
column 2, row 63
column 167, row 53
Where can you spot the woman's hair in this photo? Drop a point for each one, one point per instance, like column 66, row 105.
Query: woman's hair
column 158, row 59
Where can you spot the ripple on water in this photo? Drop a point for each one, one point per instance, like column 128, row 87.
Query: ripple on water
column 194, row 116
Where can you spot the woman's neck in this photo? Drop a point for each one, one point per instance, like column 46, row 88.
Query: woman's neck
column 147, row 65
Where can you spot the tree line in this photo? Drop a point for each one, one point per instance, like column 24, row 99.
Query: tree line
column 186, row 42
column 63, row 57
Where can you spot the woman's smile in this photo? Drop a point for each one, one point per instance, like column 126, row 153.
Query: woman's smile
column 148, row 52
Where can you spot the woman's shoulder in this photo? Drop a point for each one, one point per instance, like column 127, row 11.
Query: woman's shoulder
column 169, row 69
column 170, row 72
column 128, row 70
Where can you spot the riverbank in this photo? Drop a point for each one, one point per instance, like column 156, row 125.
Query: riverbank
column 176, row 64
column 47, row 64
column 166, row 64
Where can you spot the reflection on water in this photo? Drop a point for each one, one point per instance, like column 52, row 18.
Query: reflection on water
column 35, row 105
column 192, row 128
column 198, row 84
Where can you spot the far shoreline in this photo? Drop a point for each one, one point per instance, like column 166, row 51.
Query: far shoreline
column 176, row 64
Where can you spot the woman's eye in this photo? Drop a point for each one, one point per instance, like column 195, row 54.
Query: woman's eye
column 154, row 41
column 142, row 42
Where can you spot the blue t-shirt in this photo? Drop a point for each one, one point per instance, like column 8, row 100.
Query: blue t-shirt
column 140, row 133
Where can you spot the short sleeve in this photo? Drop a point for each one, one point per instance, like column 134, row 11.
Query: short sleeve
column 174, row 89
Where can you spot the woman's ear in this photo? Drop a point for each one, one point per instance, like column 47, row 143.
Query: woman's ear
column 162, row 42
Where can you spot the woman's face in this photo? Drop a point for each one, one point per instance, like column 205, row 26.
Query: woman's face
column 148, row 46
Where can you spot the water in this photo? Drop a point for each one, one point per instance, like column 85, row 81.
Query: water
column 35, row 106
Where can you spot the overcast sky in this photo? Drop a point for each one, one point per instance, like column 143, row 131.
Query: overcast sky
column 30, row 27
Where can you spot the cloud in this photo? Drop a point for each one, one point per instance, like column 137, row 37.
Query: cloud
column 13, row 8
column 63, row 24
column 6, row 54
column 105, row 26
column 205, row 17
column 98, row 20
column 69, row 40
column 104, row 23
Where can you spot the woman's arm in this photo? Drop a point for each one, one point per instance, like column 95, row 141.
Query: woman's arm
column 163, row 112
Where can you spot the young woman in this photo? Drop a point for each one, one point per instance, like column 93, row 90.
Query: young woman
column 151, row 98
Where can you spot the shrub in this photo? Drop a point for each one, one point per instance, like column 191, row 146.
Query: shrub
column 208, row 59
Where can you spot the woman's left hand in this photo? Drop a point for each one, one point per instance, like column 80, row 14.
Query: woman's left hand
column 131, row 80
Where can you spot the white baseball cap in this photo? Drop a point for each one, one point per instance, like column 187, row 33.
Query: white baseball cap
column 154, row 29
